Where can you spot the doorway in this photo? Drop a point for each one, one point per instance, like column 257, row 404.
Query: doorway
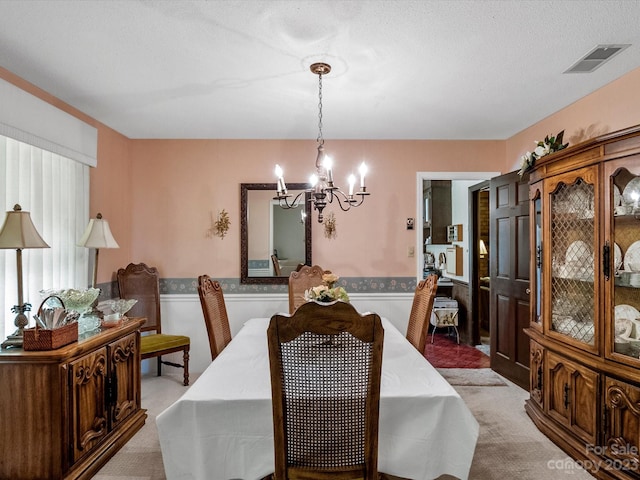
column 460, row 283
column 479, row 255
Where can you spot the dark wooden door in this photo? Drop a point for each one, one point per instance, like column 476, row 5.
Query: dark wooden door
column 509, row 272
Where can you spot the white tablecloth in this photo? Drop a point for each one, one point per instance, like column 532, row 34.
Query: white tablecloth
column 221, row 428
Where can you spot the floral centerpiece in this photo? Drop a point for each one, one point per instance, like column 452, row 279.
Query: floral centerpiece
column 327, row 291
column 549, row 145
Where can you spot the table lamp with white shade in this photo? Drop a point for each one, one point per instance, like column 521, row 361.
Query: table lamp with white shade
column 97, row 235
column 19, row 232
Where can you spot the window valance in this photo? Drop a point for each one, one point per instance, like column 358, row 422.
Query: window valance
column 28, row 119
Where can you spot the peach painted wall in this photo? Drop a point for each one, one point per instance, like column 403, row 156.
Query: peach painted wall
column 110, row 182
column 158, row 195
column 179, row 183
column 613, row 107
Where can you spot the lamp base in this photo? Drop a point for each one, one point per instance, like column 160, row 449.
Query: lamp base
column 13, row 341
column 21, row 321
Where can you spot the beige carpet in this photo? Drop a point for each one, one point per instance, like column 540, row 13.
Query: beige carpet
column 472, row 377
column 509, row 446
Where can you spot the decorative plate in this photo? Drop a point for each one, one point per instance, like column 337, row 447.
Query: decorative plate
column 578, row 252
column 617, row 196
column 617, row 256
column 632, row 258
column 625, row 318
column 623, row 328
column 632, row 189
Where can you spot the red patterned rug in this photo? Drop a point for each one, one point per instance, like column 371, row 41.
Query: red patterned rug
column 444, row 352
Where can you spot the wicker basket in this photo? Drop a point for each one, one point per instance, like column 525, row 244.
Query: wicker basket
column 38, row 338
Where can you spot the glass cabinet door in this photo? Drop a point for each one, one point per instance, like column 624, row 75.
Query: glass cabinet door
column 572, row 239
column 623, row 260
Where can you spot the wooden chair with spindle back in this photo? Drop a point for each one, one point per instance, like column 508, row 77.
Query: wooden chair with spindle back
column 141, row 282
column 276, row 265
column 215, row 314
column 325, row 363
column 302, row 280
column 423, row 299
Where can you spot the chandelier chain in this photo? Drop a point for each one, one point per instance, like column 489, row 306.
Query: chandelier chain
column 322, row 191
column 320, row 138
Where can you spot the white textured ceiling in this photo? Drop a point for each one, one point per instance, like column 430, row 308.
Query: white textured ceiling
column 239, row 69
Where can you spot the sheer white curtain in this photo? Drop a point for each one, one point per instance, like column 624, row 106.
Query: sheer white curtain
column 55, row 190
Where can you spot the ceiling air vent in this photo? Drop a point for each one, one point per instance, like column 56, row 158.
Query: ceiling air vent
column 595, row 58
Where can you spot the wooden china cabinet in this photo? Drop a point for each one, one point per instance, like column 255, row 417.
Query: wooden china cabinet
column 65, row 412
column 585, row 302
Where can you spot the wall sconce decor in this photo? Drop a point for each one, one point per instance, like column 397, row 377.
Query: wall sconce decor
column 330, row 230
column 97, row 235
column 219, row 226
column 323, row 191
column 19, row 232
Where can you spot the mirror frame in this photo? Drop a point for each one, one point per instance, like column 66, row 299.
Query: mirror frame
column 244, row 231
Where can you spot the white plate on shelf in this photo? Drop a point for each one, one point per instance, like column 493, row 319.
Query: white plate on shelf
column 624, row 327
column 617, row 196
column 627, row 317
column 632, row 188
column 578, row 252
column 617, row 256
column 632, row 258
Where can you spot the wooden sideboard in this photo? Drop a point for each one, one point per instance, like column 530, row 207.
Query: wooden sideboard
column 65, row 412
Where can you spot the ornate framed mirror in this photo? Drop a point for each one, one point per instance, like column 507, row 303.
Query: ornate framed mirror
column 273, row 240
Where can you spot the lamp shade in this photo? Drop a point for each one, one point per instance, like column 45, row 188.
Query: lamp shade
column 483, row 248
column 98, row 235
column 19, row 232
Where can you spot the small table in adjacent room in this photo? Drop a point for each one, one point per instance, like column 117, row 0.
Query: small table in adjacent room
column 444, row 315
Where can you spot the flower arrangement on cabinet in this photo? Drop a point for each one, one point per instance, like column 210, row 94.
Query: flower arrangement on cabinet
column 549, row 145
column 327, row 292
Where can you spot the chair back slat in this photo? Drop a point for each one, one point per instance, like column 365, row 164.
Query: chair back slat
column 423, row 299
column 215, row 314
column 325, row 372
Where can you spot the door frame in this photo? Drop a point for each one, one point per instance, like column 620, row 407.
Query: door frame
column 474, row 284
column 420, row 177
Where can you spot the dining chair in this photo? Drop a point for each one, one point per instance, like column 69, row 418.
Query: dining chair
column 423, row 298
column 141, row 282
column 325, row 363
column 276, row 265
column 215, row 314
column 302, row 280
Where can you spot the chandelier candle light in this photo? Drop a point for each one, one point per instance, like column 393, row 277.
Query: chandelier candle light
column 323, row 191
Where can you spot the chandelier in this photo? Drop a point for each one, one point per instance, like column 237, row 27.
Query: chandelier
column 323, row 191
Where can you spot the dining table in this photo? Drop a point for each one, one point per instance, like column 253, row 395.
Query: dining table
column 222, row 426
